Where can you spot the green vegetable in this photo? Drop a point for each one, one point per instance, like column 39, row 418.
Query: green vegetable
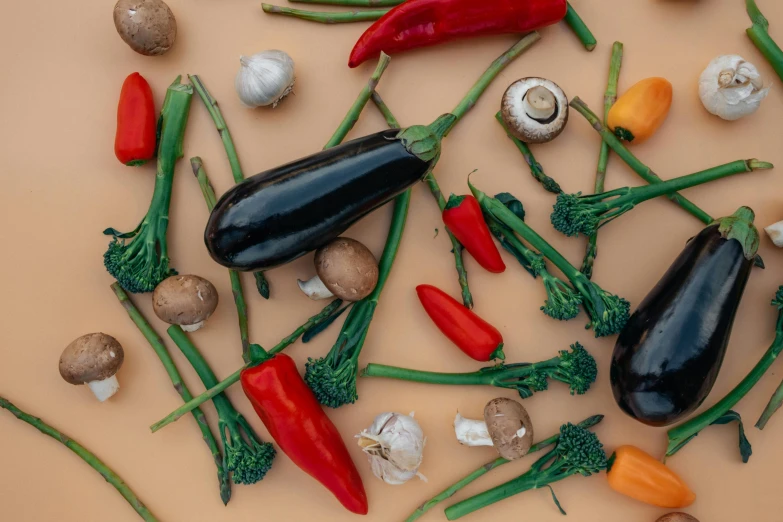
column 608, row 312
column 246, row 456
column 536, row 170
column 579, row 28
column 759, row 35
column 143, row 262
column 576, row 368
column 323, row 17
column 578, row 452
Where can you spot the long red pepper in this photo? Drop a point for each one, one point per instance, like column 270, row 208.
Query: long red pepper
column 422, row 23
column 472, row 334
column 301, row 428
column 135, row 139
column 463, row 217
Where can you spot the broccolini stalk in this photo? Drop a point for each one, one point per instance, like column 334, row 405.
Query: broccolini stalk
column 352, row 3
column 608, row 312
column 246, row 456
column 86, row 455
column 759, row 35
column 324, row 17
column 489, row 466
column 579, row 28
column 576, row 368
column 578, row 452
column 536, row 170
column 143, row 262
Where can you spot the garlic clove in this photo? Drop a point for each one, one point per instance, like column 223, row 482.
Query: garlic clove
column 775, row 233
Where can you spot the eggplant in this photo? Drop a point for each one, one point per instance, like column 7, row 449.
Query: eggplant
column 668, row 356
column 279, row 215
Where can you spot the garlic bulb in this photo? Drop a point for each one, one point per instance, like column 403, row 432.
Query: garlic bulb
column 394, row 444
column 731, row 88
column 775, row 233
column 264, row 78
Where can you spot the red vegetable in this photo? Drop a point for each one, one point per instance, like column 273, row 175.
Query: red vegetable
column 472, row 334
column 421, row 23
column 301, row 428
column 135, row 140
column 464, row 219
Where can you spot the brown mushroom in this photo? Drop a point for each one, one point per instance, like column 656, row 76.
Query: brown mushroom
column 186, row 300
column 345, row 268
column 506, row 426
column 94, row 360
column 147, row 26
column 535, row 110
column 677, row 517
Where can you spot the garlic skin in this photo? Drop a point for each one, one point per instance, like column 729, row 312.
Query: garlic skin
column 264, row 78
column 731, row 88
column 394, row 444
column 775, row 233
column 471, row 432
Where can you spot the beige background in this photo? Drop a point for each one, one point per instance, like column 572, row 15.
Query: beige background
column 62, row 185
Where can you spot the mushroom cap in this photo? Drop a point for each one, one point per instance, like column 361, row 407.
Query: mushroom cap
column 521, row 125
column 504, row 419
column 347, row 268
column 677, row 517
column 184, row 299
column 91, row 357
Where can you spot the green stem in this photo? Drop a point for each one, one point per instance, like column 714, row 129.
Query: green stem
column 489, row 466
column 233, row 160
column 87, row 456
column 405, row 374
column 352, row 117
column 610, row 96
column 236, row 283
column 391, row 121
column 323, row 17
column 535, row 167
column 759, row 35
column 351, row 3
column 579, row 28
column 223, row 385
column 179, row 385
column 772, row 407
column 682, row 434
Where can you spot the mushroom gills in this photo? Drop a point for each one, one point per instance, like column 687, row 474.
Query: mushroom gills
column 314, row 288
column 105, row 388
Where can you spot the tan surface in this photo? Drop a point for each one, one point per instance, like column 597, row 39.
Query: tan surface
column 64, row 64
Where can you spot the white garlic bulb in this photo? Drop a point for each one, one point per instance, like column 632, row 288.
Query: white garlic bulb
column 394, row 444
column 264, row 78
column 731, row 88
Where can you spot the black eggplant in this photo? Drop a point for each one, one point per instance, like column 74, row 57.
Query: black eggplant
column 669, row 354
column 279, row 215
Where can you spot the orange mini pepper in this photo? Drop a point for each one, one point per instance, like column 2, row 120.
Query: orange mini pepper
column 636, row 474
column 639, row 112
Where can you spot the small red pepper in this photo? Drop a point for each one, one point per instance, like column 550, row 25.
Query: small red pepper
column 135, row 140
column 472, row 334
column 301, row 428
column 421, row 23
column 463, row 217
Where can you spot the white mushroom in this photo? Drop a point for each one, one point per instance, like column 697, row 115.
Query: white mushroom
column 94, row 360
column 535, row 110
column 185, row 300
column 344, row 268
column 506, row 427
column 775, row 233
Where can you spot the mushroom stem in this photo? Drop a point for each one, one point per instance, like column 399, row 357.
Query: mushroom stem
column 471, row 432
column 314, row 288
column 105, row 388
column 540, row 103
column 192, row 327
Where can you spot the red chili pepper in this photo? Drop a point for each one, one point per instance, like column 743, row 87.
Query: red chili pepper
column 463, row 217
column 135, row 140
column 421, row 23
column 301, row 428
column 472, row 334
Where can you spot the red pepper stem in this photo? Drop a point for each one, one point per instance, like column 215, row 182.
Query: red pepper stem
column 498, row 353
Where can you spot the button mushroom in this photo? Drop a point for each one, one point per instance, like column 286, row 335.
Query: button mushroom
column 535, row 110
column 506, row 427
column 344, row 268
column 94, row 360
column 147, row 26
column 186, row 300
column 677, row 517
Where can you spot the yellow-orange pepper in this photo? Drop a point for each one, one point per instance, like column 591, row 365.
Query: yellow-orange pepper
column 636, row 474
column 639, row 112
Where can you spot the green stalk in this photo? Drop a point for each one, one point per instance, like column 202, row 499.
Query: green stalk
column 351, row 3
column 579, row 28
column 236, row 283
column 759, row 35
column 323, row 17
column 233, row 160
column 193, row 404
column 86, row 455
column 489, row 466
column 179, row 385
column 495, row 376
column 536, row 169
column 456, row 247
column 352, row 117
column 610, row 96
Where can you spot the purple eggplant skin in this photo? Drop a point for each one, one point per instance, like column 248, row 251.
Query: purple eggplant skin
column 668, row 356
